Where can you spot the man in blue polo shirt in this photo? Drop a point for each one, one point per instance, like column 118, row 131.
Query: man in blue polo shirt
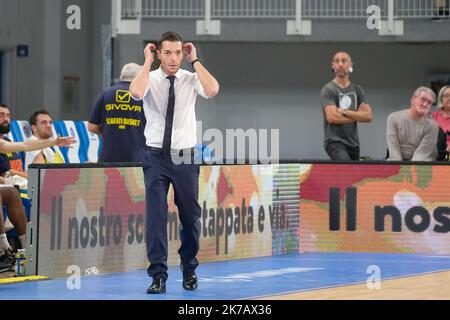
column 120, row 120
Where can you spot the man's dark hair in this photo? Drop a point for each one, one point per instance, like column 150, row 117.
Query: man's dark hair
column 2, row 105
column 33, row 118
column 169, row 36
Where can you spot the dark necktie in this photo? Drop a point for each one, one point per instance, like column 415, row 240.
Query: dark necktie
column 169, row 115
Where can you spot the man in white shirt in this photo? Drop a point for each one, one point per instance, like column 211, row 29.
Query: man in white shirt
column 169, row 94
column 41, row 125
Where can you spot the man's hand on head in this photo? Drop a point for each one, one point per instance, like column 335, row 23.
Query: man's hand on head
column 149, row 53
column 190, row 52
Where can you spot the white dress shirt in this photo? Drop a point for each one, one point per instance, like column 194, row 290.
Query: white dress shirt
column 155, row 101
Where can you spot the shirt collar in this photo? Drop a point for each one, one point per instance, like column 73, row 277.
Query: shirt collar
column 164, row 75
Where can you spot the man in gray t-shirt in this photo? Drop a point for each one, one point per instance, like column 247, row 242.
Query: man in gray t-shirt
column 411, row 133
column 343, row 106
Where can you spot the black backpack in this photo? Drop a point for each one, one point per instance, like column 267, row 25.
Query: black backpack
column 442, row 145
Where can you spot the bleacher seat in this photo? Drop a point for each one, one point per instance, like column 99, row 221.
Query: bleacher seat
column 92, row 144
column 67, row 128
column 86, row 149
column 20, row 131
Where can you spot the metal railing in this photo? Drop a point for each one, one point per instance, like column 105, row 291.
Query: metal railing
column 129, row 9
column 285, row 9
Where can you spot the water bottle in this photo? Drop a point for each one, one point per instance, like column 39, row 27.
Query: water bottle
column 20, row 263
column 8, row 179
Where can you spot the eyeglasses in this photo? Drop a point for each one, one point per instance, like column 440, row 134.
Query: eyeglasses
column 447, row 95
column 423, row 99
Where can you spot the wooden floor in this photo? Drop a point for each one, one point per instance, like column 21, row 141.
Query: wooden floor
column 435, row 286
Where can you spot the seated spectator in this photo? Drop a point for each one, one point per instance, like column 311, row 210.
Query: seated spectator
column 11, row 196
column 41, row 126
column 9, row 162
column 412, row 134
column 442, row 113
column 7, row 260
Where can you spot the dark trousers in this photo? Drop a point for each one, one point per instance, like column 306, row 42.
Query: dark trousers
column 159, row 172
column 339, row 151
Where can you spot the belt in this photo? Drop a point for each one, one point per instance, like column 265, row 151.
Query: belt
column 178, row 152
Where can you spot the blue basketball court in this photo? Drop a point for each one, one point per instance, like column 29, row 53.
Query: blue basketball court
column 240, row 279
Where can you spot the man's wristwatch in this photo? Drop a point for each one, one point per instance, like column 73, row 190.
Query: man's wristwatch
column 194, row 61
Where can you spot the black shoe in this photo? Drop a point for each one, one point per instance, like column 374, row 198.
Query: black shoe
column 10, row 256
column 158, row 285
column 190, row 281
column 6, row 264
